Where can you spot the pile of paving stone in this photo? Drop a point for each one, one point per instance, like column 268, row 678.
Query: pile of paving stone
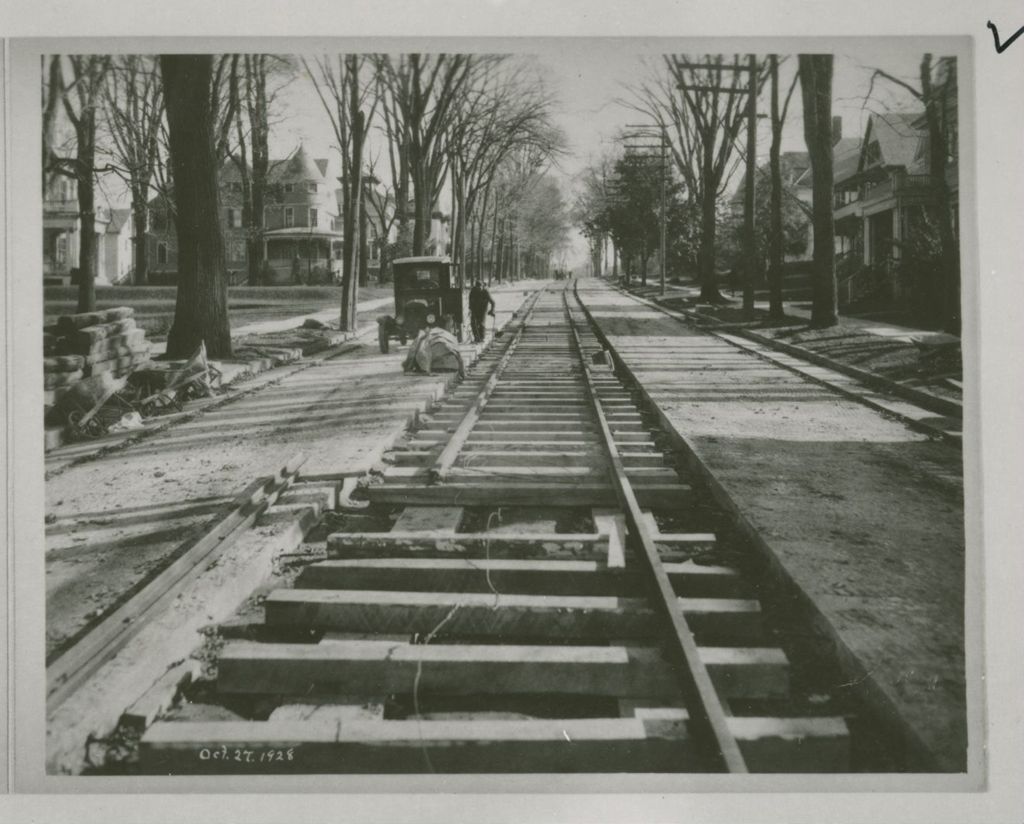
column 88, row 345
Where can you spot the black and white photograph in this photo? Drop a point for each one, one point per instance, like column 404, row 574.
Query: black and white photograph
column 502, row 414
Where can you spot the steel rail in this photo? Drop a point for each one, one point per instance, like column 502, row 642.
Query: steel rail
column 78, row 663
column 707, row 715
column 442, row 466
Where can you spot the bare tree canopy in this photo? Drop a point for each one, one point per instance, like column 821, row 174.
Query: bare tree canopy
column 79, row 88
column 134, row 112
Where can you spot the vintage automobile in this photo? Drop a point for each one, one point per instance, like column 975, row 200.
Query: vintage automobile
column 424, row 287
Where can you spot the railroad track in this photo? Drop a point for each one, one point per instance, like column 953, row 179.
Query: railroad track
column 533, row 588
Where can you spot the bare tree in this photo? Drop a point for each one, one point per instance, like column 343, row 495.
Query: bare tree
column 201, row 308
column 698, row 103
column 81, row 99
column 775, row 235
column 424, row 89
column 347, row 96
column 816, row 91
column 134, row 110
column 503, row 112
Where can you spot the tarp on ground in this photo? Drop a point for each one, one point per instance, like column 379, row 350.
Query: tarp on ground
column 434, row 350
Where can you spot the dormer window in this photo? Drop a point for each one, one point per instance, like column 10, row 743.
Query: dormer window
column 311, row 187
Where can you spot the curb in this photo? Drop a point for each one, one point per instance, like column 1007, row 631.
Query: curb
column 924, row 400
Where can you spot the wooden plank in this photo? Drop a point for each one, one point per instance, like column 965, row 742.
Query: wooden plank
column 428, row 520
column 536, row 494
column 159, row 697
column 462, row 575
column 574, row 745
column 478, row 614
column 331, row 709
column 611, row 522
column 713, row 620
column 477, row 545
column 555, row 577
column 386, row 667
column 656, row 739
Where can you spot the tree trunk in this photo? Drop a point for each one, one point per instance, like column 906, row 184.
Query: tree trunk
column 364, row 242
column 775, row 307
column 421, row 217
column 816, row 91
column 86, row 161
column 201, row 309
column 141, row 252
column 708, row 287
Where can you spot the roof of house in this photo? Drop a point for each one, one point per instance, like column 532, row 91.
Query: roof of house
column 796, row 171
column 118, row 218
column 298, row 165
column 845, row 158
column 899, row 137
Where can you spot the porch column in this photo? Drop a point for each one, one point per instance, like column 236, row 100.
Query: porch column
column 897, row 232
column 867, row 241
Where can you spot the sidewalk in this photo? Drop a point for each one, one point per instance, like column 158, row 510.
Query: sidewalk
column 921, row 366
column 856, row 520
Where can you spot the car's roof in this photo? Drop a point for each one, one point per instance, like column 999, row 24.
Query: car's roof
column 422, row 259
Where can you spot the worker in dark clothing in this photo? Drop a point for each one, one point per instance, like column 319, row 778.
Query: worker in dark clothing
column 479, row 299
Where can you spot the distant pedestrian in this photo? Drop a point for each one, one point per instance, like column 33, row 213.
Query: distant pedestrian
column 479, row 299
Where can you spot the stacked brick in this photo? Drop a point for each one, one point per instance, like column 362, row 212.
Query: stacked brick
column 91, row 344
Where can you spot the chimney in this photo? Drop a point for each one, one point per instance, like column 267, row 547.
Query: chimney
column 837, row 129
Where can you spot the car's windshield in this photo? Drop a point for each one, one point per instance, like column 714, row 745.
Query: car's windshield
column 423, row 278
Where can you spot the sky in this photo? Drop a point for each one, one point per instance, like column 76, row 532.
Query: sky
column 590, row 79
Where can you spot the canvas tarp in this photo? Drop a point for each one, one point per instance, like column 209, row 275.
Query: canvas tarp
column 434, row 350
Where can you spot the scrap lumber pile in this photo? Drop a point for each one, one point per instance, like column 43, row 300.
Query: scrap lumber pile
column 78, row 347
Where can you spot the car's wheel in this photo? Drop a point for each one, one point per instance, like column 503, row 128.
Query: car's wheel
column 382, row 337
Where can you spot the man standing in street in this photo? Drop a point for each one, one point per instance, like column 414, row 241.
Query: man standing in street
column 479, row 299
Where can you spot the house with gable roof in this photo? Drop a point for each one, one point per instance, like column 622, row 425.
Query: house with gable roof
column 301, row 239
column 880, row 198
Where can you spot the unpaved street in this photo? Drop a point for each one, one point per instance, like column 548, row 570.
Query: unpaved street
column 118, row 519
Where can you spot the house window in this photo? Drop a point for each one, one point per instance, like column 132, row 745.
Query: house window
column 311, row 187
column 235, row 218
column 289, row 216
column 236, row 250
column 873, row 154
column 161, row 253
column 288, row 187
column 62, row 249
column 312, row 217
